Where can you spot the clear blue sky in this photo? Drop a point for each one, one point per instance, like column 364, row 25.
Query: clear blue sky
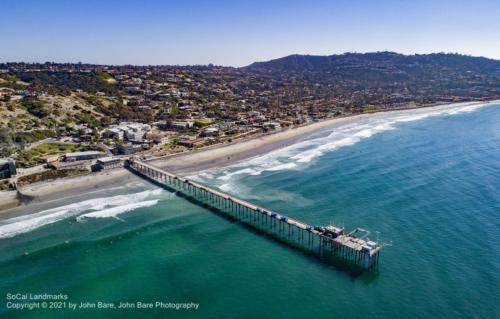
column 237, row 33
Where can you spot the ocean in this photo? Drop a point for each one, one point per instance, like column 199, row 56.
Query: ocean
column 427, row 182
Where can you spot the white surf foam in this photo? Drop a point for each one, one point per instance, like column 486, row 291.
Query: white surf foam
column 282, row 167
column 348, row 134
column 226, row 187
column 228, row 176
column 23, row 224
column 115, row 211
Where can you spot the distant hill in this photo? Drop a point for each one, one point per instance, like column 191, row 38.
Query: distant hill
column 382, row 62
column 387, row 77
column 39, row 100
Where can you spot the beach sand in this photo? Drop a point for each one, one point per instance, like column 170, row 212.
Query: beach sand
column 8, row 199
column 237, row 151
column 185, row 163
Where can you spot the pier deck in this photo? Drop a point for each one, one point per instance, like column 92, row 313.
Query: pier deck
column 332, row 240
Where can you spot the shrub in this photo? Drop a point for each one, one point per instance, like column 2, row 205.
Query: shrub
column 33, row 136
column 35, row 107
column 48, row 175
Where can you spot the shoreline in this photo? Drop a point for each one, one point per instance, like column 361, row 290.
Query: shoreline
column 237, row 151
column 187, row 162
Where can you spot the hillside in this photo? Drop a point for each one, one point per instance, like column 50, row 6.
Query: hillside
column 436, row 75
column 56, row 100
column 383, row 62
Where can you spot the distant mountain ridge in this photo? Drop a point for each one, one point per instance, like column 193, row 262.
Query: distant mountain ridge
column 388, row 61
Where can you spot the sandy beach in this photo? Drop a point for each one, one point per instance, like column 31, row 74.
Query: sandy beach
column 184, row 163
column 8, row 200
column 237, row 151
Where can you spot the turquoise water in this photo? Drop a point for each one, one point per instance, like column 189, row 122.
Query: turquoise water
column 428, row 181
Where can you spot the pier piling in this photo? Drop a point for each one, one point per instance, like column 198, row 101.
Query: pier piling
column 333, row 240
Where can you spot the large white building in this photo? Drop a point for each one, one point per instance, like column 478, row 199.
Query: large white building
column 80, row 156
column 133, row 132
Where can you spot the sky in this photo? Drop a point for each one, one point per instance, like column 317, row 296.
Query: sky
column 239, row 32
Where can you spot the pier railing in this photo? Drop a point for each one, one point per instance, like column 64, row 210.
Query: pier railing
column 330, row 241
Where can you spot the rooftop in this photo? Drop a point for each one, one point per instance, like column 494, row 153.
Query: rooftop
column 5, row 160
column 84, row 153
column 108, row 159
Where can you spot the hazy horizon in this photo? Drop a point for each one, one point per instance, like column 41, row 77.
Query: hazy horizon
column 229, row 66
column 239, row 33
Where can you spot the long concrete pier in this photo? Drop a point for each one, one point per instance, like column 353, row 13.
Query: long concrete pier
column 331, row 241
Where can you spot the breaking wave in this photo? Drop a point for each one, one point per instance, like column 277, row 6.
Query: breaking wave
column 353, row 131
column 23, row 224
column 115, row 211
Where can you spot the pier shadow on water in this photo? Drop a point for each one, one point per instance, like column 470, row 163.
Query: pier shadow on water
column 306, row 249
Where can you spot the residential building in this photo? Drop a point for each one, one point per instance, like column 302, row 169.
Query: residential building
column 210, row 131
column 114, row 132
column 79, row 156
column 133, row 132
column 109, row 162
column 127, row 149
column 156, row 138
column 176, row 126
column 7, row 168
column 272, row 125
column 191, row 143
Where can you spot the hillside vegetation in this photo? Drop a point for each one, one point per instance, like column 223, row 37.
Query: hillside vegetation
column 38, row 101
column 433, row 74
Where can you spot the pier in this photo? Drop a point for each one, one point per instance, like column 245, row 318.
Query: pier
column 332, row 241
